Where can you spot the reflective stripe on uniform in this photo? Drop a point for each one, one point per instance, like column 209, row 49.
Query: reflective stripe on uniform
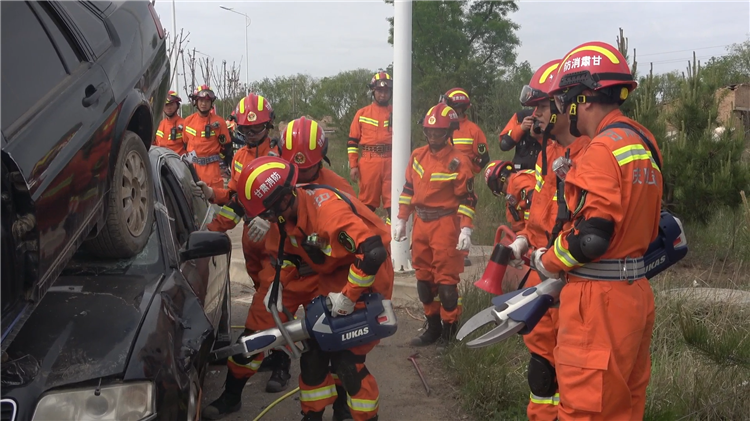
column 359, row 280
column 563, row 254
column 352, row 149
column 404, row 199
column 318, row 394
column 254, row 364
column 160, row 133
column 631, row 153
column 545, row 400
column 466, row 211
column 228, row 213
column 191, row 130
column 441, row 176
column 417, row 167
column 370, row 121
column 238, row 166
column 539, row 179
column 463, row 141
column 362, row 405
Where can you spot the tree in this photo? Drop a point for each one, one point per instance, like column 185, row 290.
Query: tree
column 342, row 95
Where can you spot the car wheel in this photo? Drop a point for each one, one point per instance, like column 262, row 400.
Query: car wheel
column 129, row 214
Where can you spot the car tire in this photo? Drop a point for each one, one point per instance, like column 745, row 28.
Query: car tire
column 129, row 212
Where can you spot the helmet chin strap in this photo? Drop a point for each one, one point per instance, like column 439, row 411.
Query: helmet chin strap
column 547, row 134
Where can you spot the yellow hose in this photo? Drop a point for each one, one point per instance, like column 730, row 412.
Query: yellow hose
column 268, row 408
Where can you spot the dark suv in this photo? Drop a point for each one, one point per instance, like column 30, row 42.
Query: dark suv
column 83, row 87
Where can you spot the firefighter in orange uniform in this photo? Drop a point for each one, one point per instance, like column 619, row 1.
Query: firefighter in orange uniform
column 606, row 313
column 522, row 134
column 517, row 187
column 370, row 135
column 343, row 241
column 469, row 138
column 298, row 279
column 205, row 135
column 169, row 134
column 439, row 188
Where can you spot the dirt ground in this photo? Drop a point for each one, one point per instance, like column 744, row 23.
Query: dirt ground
column 402, row 395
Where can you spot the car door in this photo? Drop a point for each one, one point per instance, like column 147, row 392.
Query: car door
column 57, row 103
column 208, row 276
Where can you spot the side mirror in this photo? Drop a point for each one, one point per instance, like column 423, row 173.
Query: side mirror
column 205, row 244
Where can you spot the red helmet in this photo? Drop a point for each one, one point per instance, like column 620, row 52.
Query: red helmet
column 263, row 184
column 539, row 87
column 441, row 116
column 596, row 66
column 304, row 143
column 456, row 97
column 496, row 175
column 204, row 91
column 381, row 79
column 254, row 109
column 172, row 97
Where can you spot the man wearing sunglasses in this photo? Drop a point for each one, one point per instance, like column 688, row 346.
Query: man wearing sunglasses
column 439, row 188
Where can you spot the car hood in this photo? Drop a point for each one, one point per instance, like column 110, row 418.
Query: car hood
column 83, row 329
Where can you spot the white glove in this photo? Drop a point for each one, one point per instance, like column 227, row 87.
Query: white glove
column 464, row 239
column 208, row 192
column 257, row 229
column 341, row 305
column 398, row 230
column 519, row 246
column 267, row 299
column 536, row 259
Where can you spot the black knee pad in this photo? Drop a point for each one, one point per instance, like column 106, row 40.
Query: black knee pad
column 345, row 364
column 542, row 379
column 424, row 291
column 313, row 365
column 448, row 296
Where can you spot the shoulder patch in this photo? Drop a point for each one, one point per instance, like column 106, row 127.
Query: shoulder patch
column 482, row 148
column 347, row 241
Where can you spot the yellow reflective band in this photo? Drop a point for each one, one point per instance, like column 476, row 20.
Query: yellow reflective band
column 318, row 394
column 238, row 166
column 362, row 405
column 445, row 111
column 260, row 103
column 359, row 280
column 252, row 365
column 466, row 211
column 547, row 72
column 191, row 130
column 418, row 168
column 542, row 400
column 563, row 254
column 404, row 200
column 327, row 250
column 289, row 129
column 228, row 213
column 334, row 376
column 313, row 134
column 352, row 149
column 242, row 106
column 463, row 141
column 160, row 133
column 526, row 215
column 293, row 241
column 609, row 54
column 631, row 153
column 256, row 172
column 430, row 110
column 454, row 93
column 370, row 121
column 441, row 176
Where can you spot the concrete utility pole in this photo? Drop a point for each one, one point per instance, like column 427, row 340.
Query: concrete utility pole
column 177, row 53
column 402, row 128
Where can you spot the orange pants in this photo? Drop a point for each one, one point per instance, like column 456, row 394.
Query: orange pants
column 541, row 342
column 318, row 385
column 438, row 265
column 602, row 354
column 375, row 180
column 210, row 174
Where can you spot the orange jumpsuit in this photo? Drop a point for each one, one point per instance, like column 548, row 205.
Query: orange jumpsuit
column 207, row 150
column 521, row 186
column 526, row 144
column 538, row 228
column 340, row 232
column 440, row 189
column 164, row 134
column 470, row 140
column 602, row 355
column 370, row 135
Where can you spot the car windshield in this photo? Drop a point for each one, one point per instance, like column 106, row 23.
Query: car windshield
column 148, row 261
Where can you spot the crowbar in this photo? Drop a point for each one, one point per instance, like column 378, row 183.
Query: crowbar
column 413, row 359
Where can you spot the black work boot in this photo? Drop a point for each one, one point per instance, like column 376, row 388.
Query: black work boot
column 467, row 261
column 280, row 376
column 313, row 416
column 341, row 410
column 431, row 334
column 229, row 401
column 448, row 335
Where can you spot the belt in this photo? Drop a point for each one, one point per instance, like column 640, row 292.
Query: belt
column 628, row 269
column 204, row 160
column 428, row 214
column 303, row 269
column 376, row 148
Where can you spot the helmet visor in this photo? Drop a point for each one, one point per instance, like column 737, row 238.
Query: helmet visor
column 530, row 95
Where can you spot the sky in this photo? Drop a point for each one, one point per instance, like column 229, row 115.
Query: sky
column 324, row 38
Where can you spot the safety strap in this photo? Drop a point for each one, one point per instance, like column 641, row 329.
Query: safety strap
column 628, row 269
column 649, row 145
column 563, row 213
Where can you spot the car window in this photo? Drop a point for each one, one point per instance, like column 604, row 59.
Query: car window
column 200, row 205
column 69, row 50
column 30, row 69
column 90, row 24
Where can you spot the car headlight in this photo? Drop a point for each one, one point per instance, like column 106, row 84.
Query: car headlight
column 122, row 402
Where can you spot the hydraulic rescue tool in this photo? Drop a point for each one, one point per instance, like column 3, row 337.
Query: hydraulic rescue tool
column 519, row 311
column 376, row 321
